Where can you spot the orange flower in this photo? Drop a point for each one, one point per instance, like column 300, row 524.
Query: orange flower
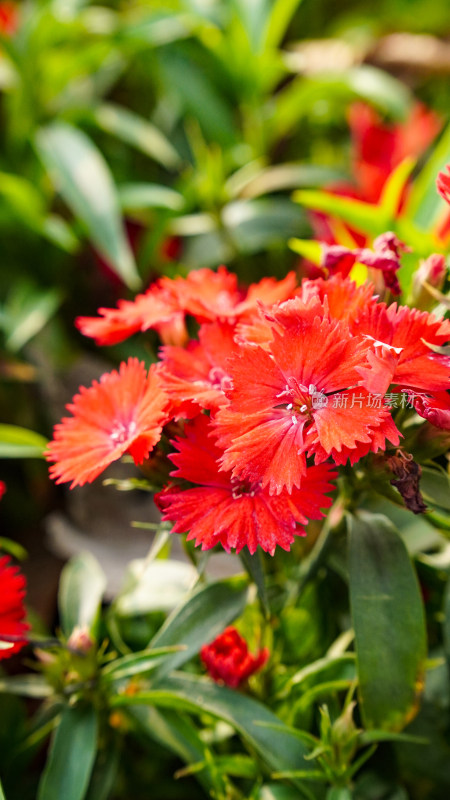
column 122, row 413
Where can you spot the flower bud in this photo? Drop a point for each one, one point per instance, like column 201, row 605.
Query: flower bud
column 431, row 271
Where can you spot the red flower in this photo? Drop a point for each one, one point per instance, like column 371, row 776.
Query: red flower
column 2, row 489
column 196, row 377
column 12, row 611
column 379, row 147
column 443, row 184
column 210, row 296
column 433, row 407
column 400, row 333
column 223, row 510
column 228, row 660
column 154, row 309
column 302, row 397
column 122, row 413
column 9, row 18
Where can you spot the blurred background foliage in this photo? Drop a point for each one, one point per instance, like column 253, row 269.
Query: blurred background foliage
column 143, row 138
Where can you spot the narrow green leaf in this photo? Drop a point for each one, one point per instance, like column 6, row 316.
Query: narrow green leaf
column 388, row 619
column 136, row 663
column 446, row 622
column 13, row 548
column 138, row 132
column 199, row 97
column 26, row 686
column 17, row 442
column 281, row 752
column 38, row 309
column 141, row 196
column 276, row 791
column 72, row 755
column 425, row 206
column 363, row 216
column 394, row 187
column 307, row 248
column 2, row 796
column 255, row 567
column 81, row 588
column 104, row 773
column 201, row 618
column 82, row 176
column 175, row 732
column 435, row 487
column 280, row 16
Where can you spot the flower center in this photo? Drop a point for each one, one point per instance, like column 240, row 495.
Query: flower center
column 243, row 488
column 301, row 400
column 121, row 432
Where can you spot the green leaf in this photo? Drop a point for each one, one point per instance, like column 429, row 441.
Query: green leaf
column 199, row 97
column 2, row 796
column 17, row 442
column 280, row 16
column 388, row 619
column 72, row 755
column 37, row 309
column 138, row 132
column 81, row 588
column 13, row 548
column 254, row 565
column 446, row 622
column 104, row 773
column 366, row 217
column 394, row 187
column 82, row 176
column 141, row 196
column 435, row 487
column 275, row 791
column 26, row 686
column 136, row 663
column 201, row 618
column 248, row 717
column 307, row 248
column 425, row 206
column 175, row 732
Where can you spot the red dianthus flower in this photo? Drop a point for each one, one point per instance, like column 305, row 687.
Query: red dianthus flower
column 12, row 610
column 228, row 660
column 122, row 413
column 303, row 396
column 233, row 513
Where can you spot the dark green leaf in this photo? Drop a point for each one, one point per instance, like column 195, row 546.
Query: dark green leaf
column 255, row 567
column 72, row 755
column 247, row 716
column 136, row 663
column 201, row 618
column 82, row 176
column 435, row 487
column 388, row 620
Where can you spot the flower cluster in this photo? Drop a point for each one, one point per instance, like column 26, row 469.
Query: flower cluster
column 228, row 660
column 257, row 403
column 12, row 611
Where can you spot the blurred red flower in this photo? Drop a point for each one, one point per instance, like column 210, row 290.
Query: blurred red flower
column 9, row 17
column 228, row 660
column 12, row 610
column 122, row 413
column 2, row 489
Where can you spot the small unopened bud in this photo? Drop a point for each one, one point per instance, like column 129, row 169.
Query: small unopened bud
column 432, row 271
column 80, row 639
